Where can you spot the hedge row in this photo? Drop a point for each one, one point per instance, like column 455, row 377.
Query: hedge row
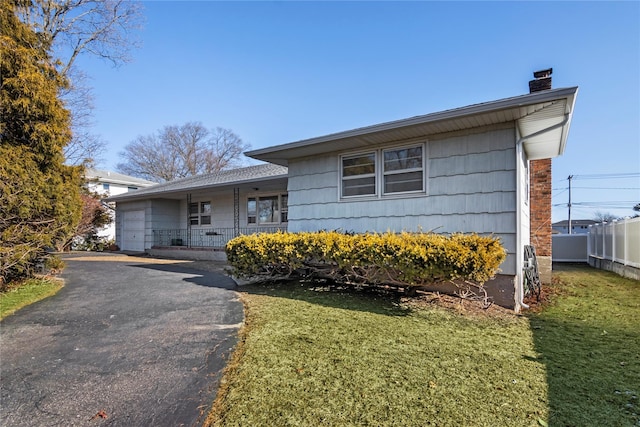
column 405, row 259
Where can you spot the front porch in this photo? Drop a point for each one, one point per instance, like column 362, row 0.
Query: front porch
column 200, row 243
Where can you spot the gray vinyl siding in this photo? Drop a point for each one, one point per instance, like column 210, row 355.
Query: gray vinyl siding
column 222, row 210
column 222, row 206
column 165, row 214
column 471, row 187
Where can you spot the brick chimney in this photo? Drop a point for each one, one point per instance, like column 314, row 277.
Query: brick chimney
column 542, row 80
column 540, row 193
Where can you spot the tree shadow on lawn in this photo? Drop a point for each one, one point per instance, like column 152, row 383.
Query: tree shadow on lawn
column 590, row 348
column 367, row 298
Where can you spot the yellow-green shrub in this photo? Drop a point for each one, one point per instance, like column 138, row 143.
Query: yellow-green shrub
column 405, row 259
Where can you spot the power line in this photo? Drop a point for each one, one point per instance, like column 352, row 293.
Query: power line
column 561, row 192
column 616, row 202
column 604, row 176
column 608, row 176
column 595, row 188
column 607, row 188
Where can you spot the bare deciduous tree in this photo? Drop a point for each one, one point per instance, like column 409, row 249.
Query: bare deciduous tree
column 102, row 28
column 604, row 216
column 85, row 147
column 225, row 149
column 181, row 151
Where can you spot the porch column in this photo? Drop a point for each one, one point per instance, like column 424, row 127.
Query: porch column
column 236, row 212
column 188, row 220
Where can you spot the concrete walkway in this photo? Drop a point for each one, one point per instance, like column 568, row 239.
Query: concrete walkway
column 127, row 342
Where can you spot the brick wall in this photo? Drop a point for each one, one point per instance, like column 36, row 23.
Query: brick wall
column 540, row 203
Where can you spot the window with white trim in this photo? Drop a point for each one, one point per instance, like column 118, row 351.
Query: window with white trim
column 401, row 170
column 200, row 213
column 268, row 209
column 359, row 175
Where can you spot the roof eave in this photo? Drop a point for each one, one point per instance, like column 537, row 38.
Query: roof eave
column 145, row 195
column 549, row 142
column 280, row 154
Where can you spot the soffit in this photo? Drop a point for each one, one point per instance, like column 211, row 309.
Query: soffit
column 544, row 131
column 538, row 105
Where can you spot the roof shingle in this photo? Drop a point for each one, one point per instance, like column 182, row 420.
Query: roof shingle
column 215, row 179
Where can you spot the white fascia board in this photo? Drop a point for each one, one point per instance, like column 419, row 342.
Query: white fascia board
column 269, row 153
column 144, row 195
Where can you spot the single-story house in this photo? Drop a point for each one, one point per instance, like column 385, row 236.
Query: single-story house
column 484, row 168
column 196, row 216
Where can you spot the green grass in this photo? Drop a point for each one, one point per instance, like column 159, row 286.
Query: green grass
column 310, row 358
column 344, row 359
column 26, row 293
column 589, row 342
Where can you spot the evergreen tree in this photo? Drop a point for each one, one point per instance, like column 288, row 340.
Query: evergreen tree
column 39, row 196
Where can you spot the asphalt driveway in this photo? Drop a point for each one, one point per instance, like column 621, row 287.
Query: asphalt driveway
column 127, row 342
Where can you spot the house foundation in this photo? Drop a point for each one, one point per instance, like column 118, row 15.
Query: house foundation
column 196, row 254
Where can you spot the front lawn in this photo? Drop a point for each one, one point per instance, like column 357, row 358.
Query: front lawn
column 26, row 293
column 311, row 357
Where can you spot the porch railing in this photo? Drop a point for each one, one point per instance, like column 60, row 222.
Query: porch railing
column 205, row 237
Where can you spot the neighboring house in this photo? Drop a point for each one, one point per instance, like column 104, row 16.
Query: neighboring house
column 485, row 169
column 578, row 226
column 109, row 183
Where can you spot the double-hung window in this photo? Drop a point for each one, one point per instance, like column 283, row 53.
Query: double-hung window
column 403, row 170
column 200, row 213
column 272, row 209
column 359, row 175
column 383, row 172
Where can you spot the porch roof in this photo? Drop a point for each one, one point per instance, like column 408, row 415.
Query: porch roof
column 98, row 175
column 543, row 119
column 242, row 177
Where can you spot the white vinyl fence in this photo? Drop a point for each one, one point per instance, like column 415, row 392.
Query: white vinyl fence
column 570, row 247
column 614, row 243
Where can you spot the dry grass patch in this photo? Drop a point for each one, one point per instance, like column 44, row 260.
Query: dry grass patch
column 100, row 257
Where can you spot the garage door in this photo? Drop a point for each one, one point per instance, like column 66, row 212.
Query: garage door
column 133, row 231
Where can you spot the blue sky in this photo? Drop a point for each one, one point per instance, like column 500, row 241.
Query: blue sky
column 278, row 72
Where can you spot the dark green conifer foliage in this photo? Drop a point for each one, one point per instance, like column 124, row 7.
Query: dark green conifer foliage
column 39, row 196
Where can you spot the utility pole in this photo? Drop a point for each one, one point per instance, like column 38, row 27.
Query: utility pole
column 569, row 205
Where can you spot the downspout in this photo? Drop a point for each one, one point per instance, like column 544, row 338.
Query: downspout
column 519, row 196
column 519, row 246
